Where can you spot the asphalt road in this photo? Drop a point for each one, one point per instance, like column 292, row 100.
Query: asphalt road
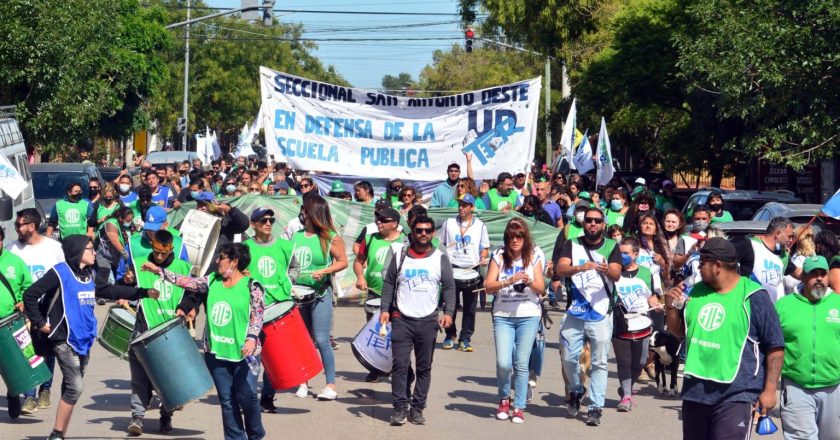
column 461, row 403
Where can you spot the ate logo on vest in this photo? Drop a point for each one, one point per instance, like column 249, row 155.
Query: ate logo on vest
column 304, row 256
column 266, row 266
column 72, row 215
column 164, row 288
column 833, row 316
column 221, row 314
column 711, row 316
column 501, row 206
column 382, row 254
column 10, row 272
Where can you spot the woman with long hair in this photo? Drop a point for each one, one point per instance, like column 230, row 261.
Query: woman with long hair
column 673, row 226
column 112, row 242
column 515, row 276
column 466, row 185
column 408, row 198
column 653, row 252
column 319, row 250
column 803, row 248
column 643, row 203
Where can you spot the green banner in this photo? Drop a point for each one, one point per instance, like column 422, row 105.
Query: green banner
column 350, row 218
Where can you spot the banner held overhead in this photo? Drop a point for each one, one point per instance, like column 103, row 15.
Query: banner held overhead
column 325, row 127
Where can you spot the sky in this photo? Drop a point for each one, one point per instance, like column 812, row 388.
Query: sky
column 364, row 64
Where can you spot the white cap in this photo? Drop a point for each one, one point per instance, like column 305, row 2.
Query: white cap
column 640, row 181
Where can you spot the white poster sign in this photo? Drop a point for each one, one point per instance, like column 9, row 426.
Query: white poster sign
column 324, row 127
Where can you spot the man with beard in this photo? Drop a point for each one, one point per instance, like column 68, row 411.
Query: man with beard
column 502, row 198
column 766, row 259
column 447, row 190
column 593, row 263
column 811, row 373
column 734, row 347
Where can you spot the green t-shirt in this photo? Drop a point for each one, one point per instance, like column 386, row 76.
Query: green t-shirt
column 499, row 202
column 615, row 218
column 102, row 211
column 228, row 317
column 724, row 217
column 812, row 336
column 158, row 311
column 573, row 230
column 270, row 266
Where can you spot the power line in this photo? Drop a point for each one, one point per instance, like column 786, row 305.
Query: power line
column 210, row 37
column 330, row 11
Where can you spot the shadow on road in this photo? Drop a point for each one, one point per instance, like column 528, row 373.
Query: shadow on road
column 478, row 380
column 481, row 411
column 366, row 396
column 150, row 425
column 110, row 402
column 382, row 413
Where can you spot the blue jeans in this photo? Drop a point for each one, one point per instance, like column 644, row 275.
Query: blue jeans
column 573, row 334
column 318, row 317
column 514, row 340
column 237, row 389
column 50, row 362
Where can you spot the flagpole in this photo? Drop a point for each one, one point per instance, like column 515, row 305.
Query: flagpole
column 805, row 228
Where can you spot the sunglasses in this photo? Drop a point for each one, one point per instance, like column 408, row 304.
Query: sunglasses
column 265, row 220
column 20, row 225
column 421, row 231
column 396, row 188
column 384, row 220
column 517, row 237
column 305, row 185
column 595, row 220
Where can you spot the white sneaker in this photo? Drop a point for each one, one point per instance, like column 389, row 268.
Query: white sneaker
column 302, row 391
column 327, row 394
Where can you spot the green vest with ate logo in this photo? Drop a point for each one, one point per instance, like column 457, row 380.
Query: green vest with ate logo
column 377, row 253
column 158, row 311
column 72, row 217
column 228, row 316
column 270, row 265
column 717, row 327
column 499, row 202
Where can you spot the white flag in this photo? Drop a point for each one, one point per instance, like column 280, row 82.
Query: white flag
column 214, row 144
column 605, row 164
column 567, row 140
column 583, row 156
column 11, row 182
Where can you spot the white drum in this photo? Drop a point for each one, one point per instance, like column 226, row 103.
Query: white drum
column 463, row 274
column 200, row 233
column 371, row 349
column 302, row 294
column 372, row 305
column 638, row 322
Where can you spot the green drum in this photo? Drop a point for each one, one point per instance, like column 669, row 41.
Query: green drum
column 116, row 331
column 21, row 368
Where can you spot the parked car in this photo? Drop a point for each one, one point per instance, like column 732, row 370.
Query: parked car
column 50, row 181
column 798, row 213
column 739, row 230
column 742, row 204
column 109, row 173
column 14, row 150
column 157, row 158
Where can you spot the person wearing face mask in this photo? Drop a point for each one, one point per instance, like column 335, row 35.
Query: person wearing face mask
column 70, row 214
column 643, row 203
column 231, row 344
column 618, row 207
column 734, row 347
column 140, row 244
column 634, row 295
column 811, row 372
column 40, row 254
column 715, row 202
column 190, row 192
column 766, row 258
column 502, row 198
column 113, row 234
column 94, row 190
column 123, row 186
column 574, row 228
column 104, row 207
column 229, row 189
column 687, row 244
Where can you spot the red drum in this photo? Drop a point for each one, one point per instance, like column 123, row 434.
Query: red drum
column 288, row 354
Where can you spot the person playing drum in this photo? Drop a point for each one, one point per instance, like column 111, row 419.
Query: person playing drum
column 234, row 305
column 374, row 252
column 271, row 258
column 152, row 313
column 140, row 243
column 634, row 295
column 467, row 245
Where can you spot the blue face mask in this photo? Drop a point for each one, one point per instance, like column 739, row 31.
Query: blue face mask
column 230, row 188
column 194, row 194
column 616, row 205
column 127, row 225
column 626, row 259
column 778, row 246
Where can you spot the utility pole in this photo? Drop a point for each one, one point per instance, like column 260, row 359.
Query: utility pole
column 185, row 113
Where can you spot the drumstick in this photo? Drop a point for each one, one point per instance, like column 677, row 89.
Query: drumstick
column 641, row 313
column 383, row 331
column 130, row 310
column 191, row 326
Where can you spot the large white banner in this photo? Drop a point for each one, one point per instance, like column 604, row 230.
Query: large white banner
column 324, row 127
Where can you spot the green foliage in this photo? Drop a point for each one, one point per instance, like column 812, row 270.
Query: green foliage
column 225, row 57
column 403, row 80
column 79, row 68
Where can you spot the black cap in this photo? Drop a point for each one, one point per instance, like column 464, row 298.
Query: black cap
column 260, row 213
column 382, row 204
column 719, row 249
column 388, row 213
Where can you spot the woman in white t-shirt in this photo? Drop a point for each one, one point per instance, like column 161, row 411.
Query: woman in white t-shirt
column 515, row 276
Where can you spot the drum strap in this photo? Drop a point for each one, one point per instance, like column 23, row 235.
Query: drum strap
column 403, row 253
column 603, row 280
column 8, row 286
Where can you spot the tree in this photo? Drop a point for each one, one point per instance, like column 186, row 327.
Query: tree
column 770, row 68
column 79, row 68
column 225, row 57
column 400, row 82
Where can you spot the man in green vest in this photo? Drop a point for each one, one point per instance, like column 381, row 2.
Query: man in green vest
column 271, row 258
column 152, row 313
column 70, row 214
column 574, row 228
column 373, row 252
column 140, row 245
column 811, row 373
column 502, row 198
column 734, row 347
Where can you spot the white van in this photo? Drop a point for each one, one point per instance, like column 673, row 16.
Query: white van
column 12, row 146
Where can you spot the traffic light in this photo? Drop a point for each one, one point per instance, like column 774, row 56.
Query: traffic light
column 181, row 125
column 268, row 12
column 469, row 34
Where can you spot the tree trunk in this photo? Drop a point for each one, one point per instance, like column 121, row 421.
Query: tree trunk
column 716, row 173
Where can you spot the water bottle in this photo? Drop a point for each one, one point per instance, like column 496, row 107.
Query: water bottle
column 253, row 364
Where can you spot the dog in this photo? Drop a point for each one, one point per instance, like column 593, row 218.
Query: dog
column 666, row 348
column 585, row 363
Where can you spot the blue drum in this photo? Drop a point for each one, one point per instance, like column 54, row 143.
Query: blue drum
column 171, row 359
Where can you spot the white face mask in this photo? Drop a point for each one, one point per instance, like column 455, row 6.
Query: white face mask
column 124, row 187
column 580, row 216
